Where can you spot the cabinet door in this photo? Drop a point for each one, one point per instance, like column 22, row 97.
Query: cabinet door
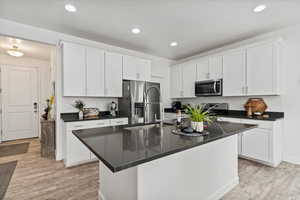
column 113, row 74
column 234, row 73
column 216, row 67
column 202, row 70
column 255, row 144
column 95, row 72
column 129, row 68
column 76, row 151
column 260, row 70
column 188, row 79
column 176, row 81
column 74, row 70
column 143, row 70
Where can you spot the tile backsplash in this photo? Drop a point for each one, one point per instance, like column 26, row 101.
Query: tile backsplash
column 101, row 103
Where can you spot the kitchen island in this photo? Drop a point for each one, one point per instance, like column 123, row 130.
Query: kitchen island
column 149, row 162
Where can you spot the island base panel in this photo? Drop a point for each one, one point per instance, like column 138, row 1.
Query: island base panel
column 206, row 172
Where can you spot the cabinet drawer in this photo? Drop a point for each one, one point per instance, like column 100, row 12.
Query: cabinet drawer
column 119, row 121
column 88, row 124
column 261, row 124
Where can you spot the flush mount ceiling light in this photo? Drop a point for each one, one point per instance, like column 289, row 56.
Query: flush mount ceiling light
column 259, row 8
column 70, row 7
column 136, row 30
column 14, row 51
column 174, row 44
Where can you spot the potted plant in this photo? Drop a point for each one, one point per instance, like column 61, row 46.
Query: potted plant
column 80, row 106
column 198, row 116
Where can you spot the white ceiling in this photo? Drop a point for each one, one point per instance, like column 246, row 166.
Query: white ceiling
column 30, row 49
column 197, row 25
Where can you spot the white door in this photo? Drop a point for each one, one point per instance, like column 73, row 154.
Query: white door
column 234, row 67
column 74, row 70
column 216, row 67
column 188, row 79
column 95, row 72
column 202, row 70
column 176, row 81
column 20, row 97
column 260, row 70
column 113, row 74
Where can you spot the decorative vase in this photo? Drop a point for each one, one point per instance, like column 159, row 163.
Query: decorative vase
column 80, row 114
column 197, row 126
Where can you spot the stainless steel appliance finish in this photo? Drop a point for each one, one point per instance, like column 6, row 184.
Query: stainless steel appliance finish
column 140, row 101
column 209, row 88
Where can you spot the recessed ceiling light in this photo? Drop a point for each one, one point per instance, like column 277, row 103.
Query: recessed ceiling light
column 259, row 8
column 70, row 8
column 135, row 30
column 15, row 51
column 173, row 44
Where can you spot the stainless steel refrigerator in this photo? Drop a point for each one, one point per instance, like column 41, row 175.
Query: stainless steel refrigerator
column 141, row 102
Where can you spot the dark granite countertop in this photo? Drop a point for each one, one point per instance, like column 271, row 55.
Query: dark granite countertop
column 126, row 146
column 272, row 116
column 73, row 117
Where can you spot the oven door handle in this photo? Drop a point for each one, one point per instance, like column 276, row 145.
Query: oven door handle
column 215, row 86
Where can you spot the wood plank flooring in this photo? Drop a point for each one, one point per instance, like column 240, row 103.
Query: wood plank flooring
column 37, row 178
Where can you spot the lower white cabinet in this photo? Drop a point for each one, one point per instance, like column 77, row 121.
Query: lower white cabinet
column 75, row 151
column 262, row 144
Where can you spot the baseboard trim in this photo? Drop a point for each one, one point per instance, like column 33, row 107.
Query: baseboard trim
column 292, row 159
column 224, row 190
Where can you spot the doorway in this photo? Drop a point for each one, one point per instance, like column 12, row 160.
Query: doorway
column 20, row 102
column 25, row 85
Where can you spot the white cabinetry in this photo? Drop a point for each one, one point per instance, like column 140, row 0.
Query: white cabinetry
column 176, row 81
column 262, row 69
column 262, row 144
column 75, row 151
column 209, row 68
column 136, row 69
column 113, row 74
column 74, row 70
column 91, row 72
column 234, row 68
column 183, row 79
column 95, row 72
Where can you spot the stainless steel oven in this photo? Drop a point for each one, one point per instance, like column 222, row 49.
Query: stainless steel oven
column 209, row 88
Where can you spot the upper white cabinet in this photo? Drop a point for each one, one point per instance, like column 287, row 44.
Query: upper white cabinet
column 136, row 69
column 183, row 79
column 209, row 68
column 262, row 70
column 202, row 69
column 234, row 77
column 215, row 67
column 113, row 74
column 176, row 81
column 253, row 70
column 94, row 72
column 188, row 79
column 91, row 72
column 74, row 70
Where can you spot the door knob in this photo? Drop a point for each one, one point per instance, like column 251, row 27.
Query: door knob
column 35, row 107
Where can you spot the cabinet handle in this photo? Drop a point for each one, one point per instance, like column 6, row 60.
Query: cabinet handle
column 138, row 75
column 118, row 122
column 207, row 75
column 246, row 89
column 77, row 126
column 100, row 124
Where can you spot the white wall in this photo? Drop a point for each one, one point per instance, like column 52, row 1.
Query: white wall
column 288, row 102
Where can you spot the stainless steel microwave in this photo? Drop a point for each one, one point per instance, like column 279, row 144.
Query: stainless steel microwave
column 209, row 88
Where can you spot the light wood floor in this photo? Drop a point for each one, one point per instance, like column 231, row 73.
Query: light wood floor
column 36, row 178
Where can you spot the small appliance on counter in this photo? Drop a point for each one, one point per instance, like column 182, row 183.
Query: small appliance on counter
column 176, row 105
column 113, row 108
